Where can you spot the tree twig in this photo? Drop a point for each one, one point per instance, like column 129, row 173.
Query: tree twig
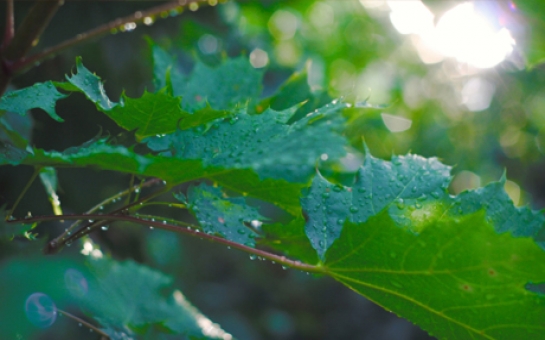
column 111, row 199
column 10, row 24
column 31, row 29
column 117, row 24
column 85, row 323
column 282, row 260
column 23, row 192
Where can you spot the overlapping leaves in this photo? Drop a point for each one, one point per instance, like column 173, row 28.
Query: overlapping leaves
column 258, row 155
column 457, row 266
column 227, row 217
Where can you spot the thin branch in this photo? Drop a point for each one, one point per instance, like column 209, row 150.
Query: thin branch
column 107, row 201
column 282, row 260
column 83, row 322
column 115, row 25
column 23, row 192
column 31, row 29
column 10, row 24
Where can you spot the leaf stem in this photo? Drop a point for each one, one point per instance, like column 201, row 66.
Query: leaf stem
column 83, row 322
column 52, row 247
column 23, row 192
column 136, row 18
column 131, row 185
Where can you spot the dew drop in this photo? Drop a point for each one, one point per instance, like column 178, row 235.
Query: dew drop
column 400, row 203
column 354, row 209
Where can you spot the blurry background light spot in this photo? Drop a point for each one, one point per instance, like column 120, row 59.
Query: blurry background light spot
column 509, row 137
column 376, row 82
column 464, row 33
column 40, row 310
column 427, row 53
column 477, row 94
column 374, row 4
column 513, row 190
column 316, row 74
column 287, row 53
column 208, row 44
column 396, row 123
column 321, row 15
column 410, row 17
column 342, row 76
column 465, row 180
column 283, row 25
column 415, row 92
column 75, row 282
column 259, row 58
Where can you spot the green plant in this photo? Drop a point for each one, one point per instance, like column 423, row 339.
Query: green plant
column 464, row 266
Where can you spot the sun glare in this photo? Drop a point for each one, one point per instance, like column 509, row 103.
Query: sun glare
column 462, row 33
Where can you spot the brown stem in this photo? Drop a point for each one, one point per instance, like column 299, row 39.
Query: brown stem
column 85, row 323
column 94, row 226
column 31, row 28
column 23, row 192
column 16, row 45
column 10, row 24
column 117, row 24
column 282, row 260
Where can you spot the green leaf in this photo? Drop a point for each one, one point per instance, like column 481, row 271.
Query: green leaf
column 459, row 266
column 40, row 95
column 223, row 216
column 234, row 82
column 404, row 183
column 262, row 143
column 99, row 154
column 163, row 63
column 224, row 87
column 10, row 154
column 327, row 206
column 150, row 115
column 15, row 129
column 294, row 91
column 90, row 85
column 24, row 275
column 129, row 296
column 290, row 239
